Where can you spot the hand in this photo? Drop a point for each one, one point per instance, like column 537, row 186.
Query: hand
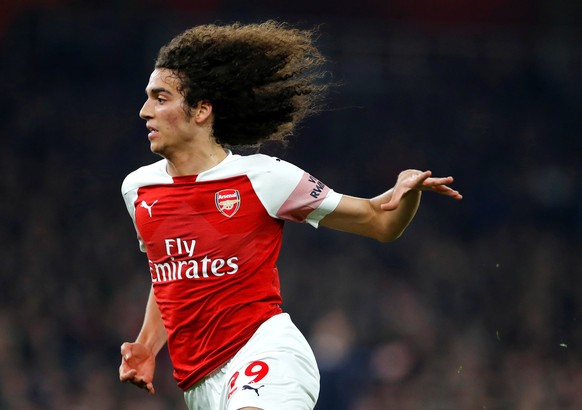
column 420, row 181
column 137, row 367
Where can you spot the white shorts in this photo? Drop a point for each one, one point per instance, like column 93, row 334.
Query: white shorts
column 275, row 370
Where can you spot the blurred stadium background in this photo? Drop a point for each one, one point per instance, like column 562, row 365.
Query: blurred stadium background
column 477, row 306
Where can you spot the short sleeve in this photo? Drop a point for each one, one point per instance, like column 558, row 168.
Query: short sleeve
column 289, row 193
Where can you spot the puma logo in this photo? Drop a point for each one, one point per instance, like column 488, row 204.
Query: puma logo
column 247, row 387
column 148, row 207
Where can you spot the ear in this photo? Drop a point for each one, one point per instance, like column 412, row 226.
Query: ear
column 203, row 111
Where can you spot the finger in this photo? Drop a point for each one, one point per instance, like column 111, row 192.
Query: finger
column 430, row 182
column 127, row 376
column 422, row 177
column 448, row 191
column 150, row 387
column 442, row 188
column 142, row 384
column 455, row 194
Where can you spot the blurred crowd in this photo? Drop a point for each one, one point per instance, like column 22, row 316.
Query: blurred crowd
column 475, row 307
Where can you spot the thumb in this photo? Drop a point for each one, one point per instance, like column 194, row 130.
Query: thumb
column 390, row 206
column 393, row 203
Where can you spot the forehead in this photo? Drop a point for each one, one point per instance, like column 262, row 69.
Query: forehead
column 162, row 79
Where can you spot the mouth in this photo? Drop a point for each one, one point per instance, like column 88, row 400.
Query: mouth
column 153, row 132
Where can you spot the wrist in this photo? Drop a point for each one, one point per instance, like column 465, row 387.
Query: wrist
column 153, row 342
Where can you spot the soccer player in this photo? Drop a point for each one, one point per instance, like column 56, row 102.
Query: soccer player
column 211, row 221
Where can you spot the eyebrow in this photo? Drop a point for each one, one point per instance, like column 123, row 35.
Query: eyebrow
column 158, row 90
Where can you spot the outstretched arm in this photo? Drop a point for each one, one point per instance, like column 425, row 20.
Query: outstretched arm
column 138, row 359
column 386, row 216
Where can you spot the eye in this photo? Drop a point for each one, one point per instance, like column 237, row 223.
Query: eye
column 161, row 100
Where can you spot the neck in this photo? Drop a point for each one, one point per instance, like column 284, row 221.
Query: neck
column 195, row 162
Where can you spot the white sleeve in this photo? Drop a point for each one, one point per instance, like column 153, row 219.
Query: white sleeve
column 129, row 197
column 147, row 175
column 289, row 193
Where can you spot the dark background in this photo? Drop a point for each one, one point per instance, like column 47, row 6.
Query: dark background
column 477, row 306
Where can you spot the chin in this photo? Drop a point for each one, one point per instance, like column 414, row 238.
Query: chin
column 156, row 150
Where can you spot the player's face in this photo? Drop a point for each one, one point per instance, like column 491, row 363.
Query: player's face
column 171, row 130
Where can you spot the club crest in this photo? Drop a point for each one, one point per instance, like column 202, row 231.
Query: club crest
column 227, row 201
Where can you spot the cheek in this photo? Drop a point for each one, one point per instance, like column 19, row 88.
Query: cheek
column 175, row 120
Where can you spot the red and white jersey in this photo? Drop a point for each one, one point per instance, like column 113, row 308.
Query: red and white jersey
column 212, row 242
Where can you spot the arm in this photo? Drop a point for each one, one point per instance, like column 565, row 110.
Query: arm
column 138, row 359
column 386, row 216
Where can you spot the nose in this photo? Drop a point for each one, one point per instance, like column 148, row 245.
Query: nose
column 146, row 112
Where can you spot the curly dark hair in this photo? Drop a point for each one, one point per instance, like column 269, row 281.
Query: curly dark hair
column 261, row 79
